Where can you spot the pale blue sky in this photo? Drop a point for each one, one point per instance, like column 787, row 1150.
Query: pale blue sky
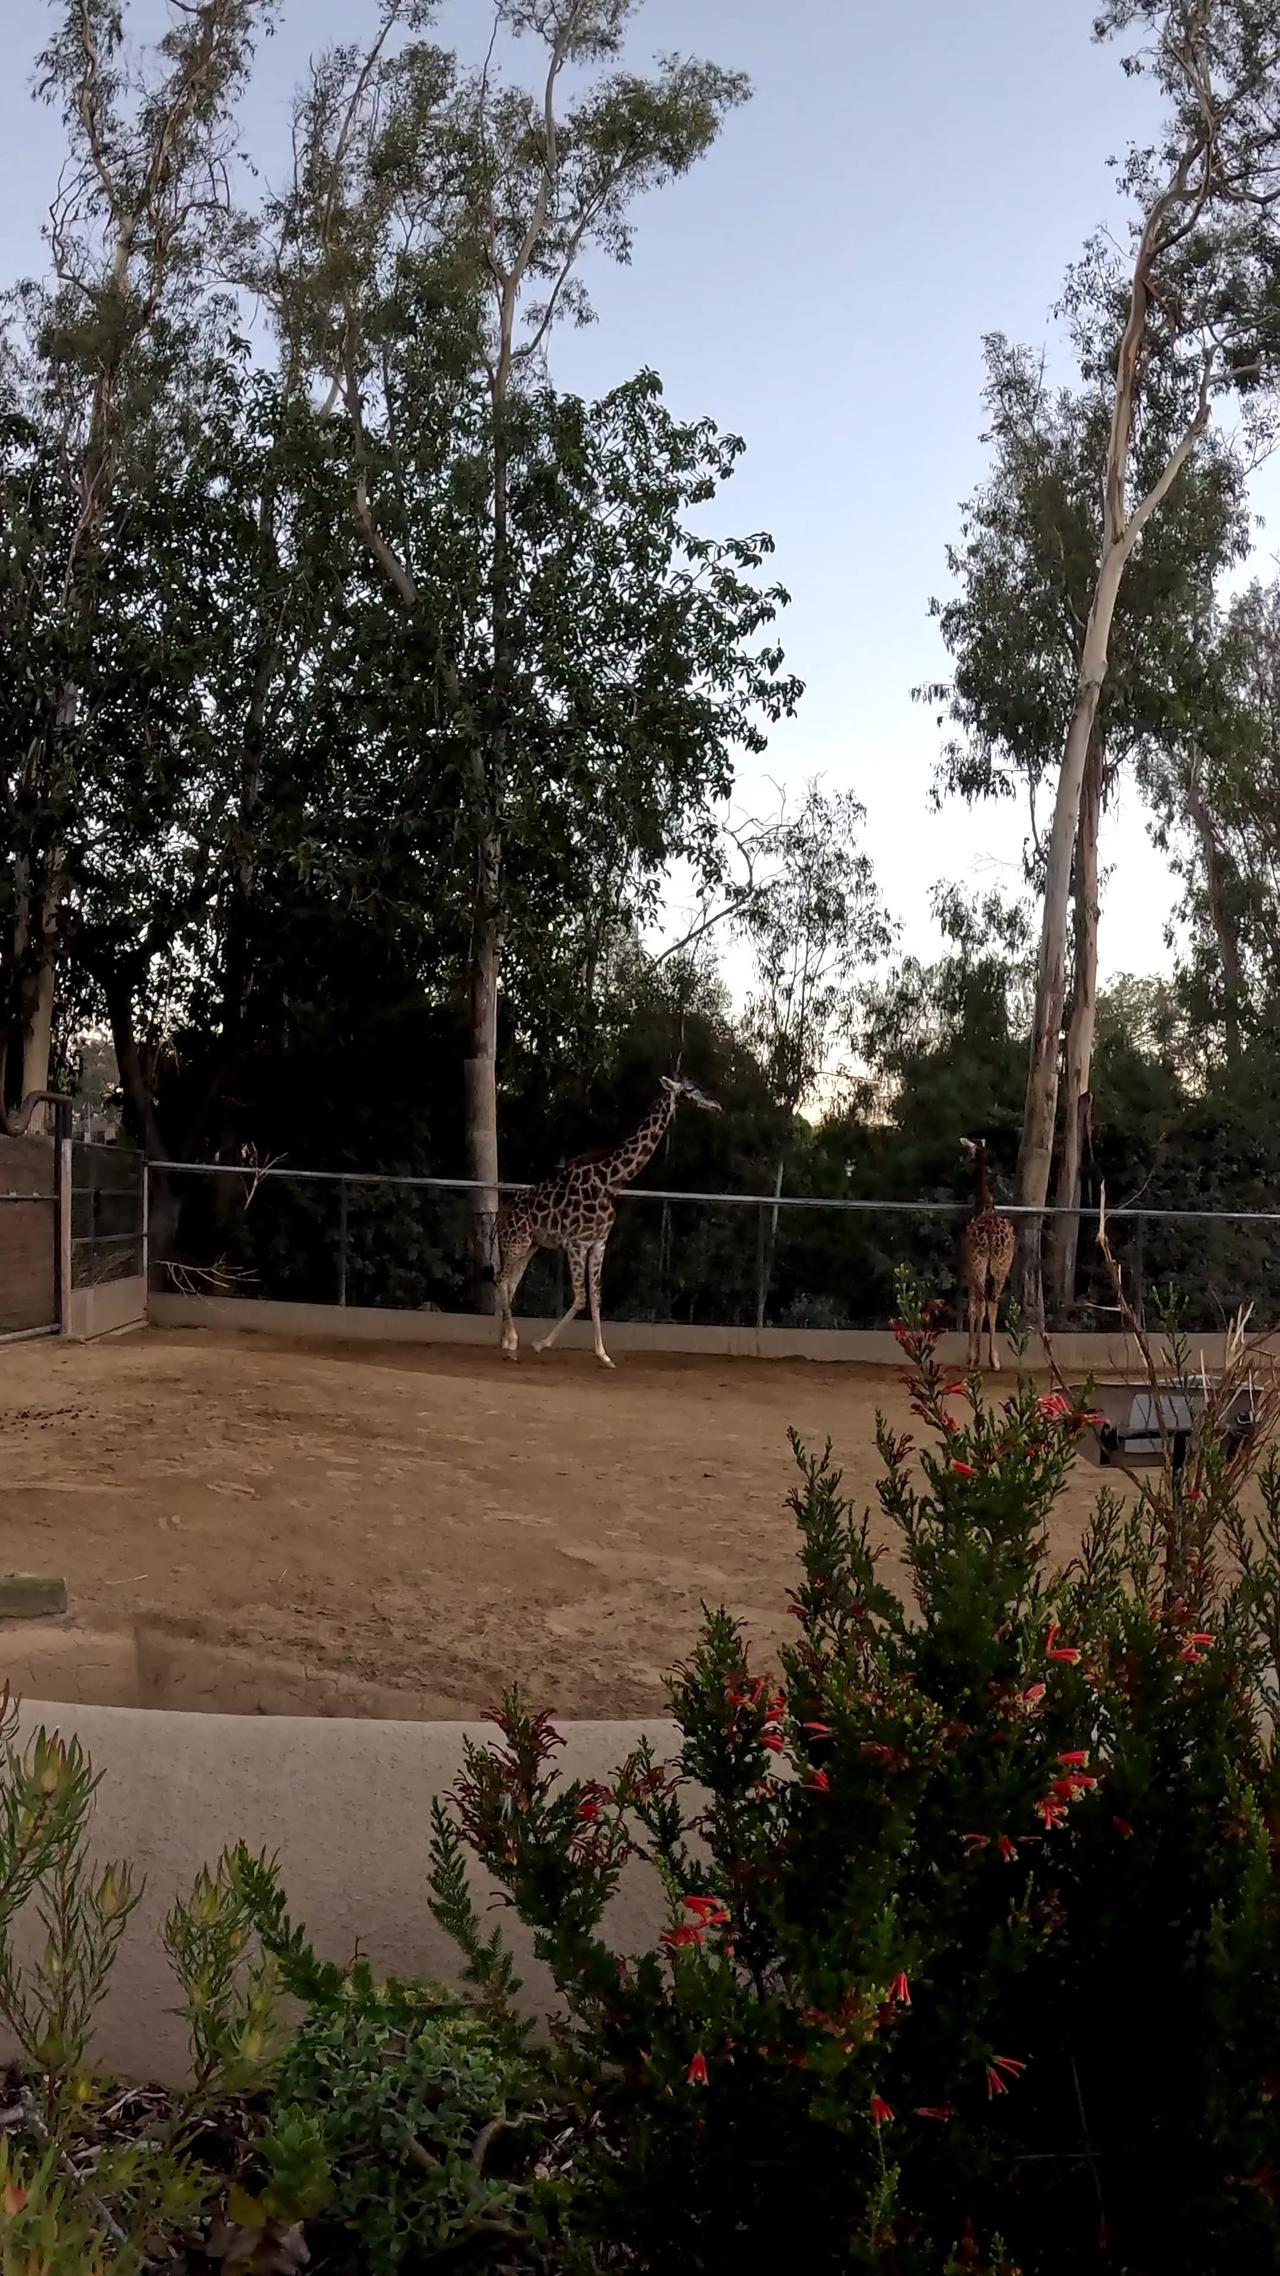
column 903, row 181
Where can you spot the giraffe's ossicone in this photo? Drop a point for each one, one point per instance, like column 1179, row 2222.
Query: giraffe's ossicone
column 574, row 1211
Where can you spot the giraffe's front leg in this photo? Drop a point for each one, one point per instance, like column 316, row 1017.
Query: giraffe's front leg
column 595, row 1264
column 577, row 1273
column 511, row 1272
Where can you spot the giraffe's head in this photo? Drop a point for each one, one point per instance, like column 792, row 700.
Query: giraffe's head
column 679, row 1088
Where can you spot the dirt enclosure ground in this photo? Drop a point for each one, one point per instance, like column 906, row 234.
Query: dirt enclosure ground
column 426, row 1521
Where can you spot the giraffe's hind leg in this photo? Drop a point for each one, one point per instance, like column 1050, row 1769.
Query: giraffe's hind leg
column 996, row 1283
column 511, row 1271
column 973, row 1324
column 577, row 1256
column 595, row 1262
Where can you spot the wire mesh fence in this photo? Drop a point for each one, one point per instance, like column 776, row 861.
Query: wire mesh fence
column 107, row 1213
column 405, row 1244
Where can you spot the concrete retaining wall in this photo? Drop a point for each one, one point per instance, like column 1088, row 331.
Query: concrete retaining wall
column 345, row 1805
column 151, row 1664
column 105, row 1309
column 1112, row 1354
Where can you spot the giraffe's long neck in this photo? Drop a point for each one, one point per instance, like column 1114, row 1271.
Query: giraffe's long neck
column 981, row 1183
column 627, row 1160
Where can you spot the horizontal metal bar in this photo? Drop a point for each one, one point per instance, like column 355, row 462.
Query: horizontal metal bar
column 104, row 1240
column 49, row 1197
column 30, row 1335
column 723, row 1200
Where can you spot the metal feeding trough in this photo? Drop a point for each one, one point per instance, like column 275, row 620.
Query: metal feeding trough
column 1131, row 1433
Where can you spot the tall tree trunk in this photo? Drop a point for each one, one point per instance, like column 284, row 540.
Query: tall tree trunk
column 1078, row 1066
column 140, row 1114
column 480, row 1085
column 1121, row 529
column 489, row 766
column 1218, row 877
column 37, row 1033
column 34, row 962
column 1040, row 1110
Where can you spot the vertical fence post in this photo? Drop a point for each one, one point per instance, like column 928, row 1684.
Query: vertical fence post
column 1138, row 1299
column 146, row 1230
column 342, row 1240
column 63, row 1171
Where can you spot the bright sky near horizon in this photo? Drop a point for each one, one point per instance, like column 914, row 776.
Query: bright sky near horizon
column 904, row 181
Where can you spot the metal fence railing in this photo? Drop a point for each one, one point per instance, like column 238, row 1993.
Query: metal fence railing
column 108, row 1185
column 403, row 1243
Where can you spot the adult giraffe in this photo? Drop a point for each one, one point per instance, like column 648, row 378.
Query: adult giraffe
column 573, row 1210
column 986, row 1250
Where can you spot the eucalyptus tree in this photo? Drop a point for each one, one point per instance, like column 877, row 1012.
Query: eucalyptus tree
column 1191, row 298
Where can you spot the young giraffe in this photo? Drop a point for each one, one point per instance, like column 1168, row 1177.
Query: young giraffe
column 986, row 1252
column 573, row 1210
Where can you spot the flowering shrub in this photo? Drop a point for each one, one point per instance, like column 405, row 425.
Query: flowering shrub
column 972, row 1903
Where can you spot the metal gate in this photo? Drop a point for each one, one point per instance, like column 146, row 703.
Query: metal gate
column 35, row 1265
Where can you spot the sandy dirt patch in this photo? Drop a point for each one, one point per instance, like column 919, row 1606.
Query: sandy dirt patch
column 431, row 1520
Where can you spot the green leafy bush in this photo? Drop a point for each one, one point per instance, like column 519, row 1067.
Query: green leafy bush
column 405, row 2098
column 413, row 2124
column 973, row 1924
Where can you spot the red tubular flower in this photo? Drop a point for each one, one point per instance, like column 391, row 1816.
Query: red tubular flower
column 698, row 2070
column 588, row 1810
column 1052, row 1812
column 1092, row 1418
column 942, row 2111
column 951, row 1390
column 995, row 2084
column 773, row 1740
column 709, row 1910
column 964, row 1470
column 1075, row 1782
column 880, row 2111
column 1075, row 1759
column 1123, row 1828
column 820, row 1730
column 818, row 1783
column 1200, row 1636
column 1008, row 1849
column 976, row 1841
column 1008, row 2063
column 1053, row 1405
column 1033, row 1694
column 1068, row 1653
column 900, row 1990
column 679, row 1939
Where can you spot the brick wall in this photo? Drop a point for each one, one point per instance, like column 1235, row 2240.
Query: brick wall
column 28, row 1229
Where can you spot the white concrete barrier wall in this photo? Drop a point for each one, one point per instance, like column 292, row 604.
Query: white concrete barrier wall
column 1113, row 1354
column 347, row 1807
column 105, row 1309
